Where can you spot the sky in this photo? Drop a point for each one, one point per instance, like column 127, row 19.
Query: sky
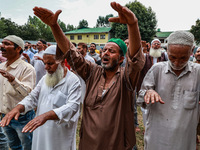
column 171, row 14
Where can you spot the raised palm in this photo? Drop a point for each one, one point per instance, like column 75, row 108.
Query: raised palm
column 46, row 15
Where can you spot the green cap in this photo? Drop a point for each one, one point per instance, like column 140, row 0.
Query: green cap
column 120, row 43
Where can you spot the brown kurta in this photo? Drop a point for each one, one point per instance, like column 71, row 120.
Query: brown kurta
column 108, row 120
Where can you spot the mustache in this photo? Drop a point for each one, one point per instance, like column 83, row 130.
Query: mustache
column 2, row 49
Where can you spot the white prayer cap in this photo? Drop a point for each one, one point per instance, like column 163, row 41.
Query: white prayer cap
column 15, row 39
column 181, row 38
column 155, row 40
column 51, row 50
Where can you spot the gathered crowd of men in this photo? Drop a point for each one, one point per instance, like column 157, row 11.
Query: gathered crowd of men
column 45, row 89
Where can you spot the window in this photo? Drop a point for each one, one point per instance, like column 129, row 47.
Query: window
column 87, row 35
column 71, row 37
column 79, row 37
column 96, row 36
column 102, row 36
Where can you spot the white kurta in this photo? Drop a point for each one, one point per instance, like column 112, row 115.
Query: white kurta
column 64, row 99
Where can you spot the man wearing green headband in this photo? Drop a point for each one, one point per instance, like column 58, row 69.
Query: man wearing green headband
column 108, row 114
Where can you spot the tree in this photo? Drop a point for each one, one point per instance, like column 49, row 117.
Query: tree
column 103, row 21
column 82, row 24
column 62, row 25
column 146, row 20
column 70, row 27
column 195, row 29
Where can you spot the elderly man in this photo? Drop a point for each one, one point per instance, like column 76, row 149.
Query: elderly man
column 57, row 98
column 108, row 116
column 17, row 79
column 171, row 92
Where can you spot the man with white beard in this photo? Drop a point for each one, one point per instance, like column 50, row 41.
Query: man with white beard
column 57, row 98
column 156, row 54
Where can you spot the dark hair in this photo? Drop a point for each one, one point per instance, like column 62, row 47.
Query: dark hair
column 16, row 46
column 74, row 44
column 43, row 42
column 28, row 42
column 83, row 45
column 93, row 44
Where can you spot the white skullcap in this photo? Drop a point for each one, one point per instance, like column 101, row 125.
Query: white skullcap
column 155, row 40
column 181, row 38
column 51, row 50
column 15, row 39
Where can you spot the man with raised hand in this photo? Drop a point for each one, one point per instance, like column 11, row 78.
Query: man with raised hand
column 108, row 115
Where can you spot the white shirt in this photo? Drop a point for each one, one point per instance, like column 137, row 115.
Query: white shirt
column 64, row 99
column 39, row 66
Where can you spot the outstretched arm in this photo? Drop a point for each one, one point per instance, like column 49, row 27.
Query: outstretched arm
column 126, row 16
column 49, row 18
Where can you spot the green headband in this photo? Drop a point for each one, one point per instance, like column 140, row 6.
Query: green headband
column 120, row 43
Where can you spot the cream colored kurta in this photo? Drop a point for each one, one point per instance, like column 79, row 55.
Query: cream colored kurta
column 12, row 93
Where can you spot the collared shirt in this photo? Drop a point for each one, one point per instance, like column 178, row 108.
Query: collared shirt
column 95, row 56
column 172, row 126
column 64, row 99
column 12, row 93
column 39, row 66
column 108, row 119
column 89, row 58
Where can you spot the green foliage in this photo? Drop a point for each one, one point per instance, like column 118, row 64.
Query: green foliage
column 82, row 24
column 146, row 20
column 195, row 29
column 103, row 21
column 70, row 27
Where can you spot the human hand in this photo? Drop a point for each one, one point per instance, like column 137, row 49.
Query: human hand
column 35, row 123
column 15, row 113
column 125, row 15
column 47, row 16
column 7, row 75
column 38, row 58
column 152, row 96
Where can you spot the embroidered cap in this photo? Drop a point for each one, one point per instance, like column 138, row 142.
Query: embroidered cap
column 15, row 39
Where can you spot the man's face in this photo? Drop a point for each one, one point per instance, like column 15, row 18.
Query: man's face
column 40, row 45
column 50, row 63
column 92, row 48
column 179, row 56
column 8, row 50
column 126, row 42
column 81, row 50
column 110, row 56
column 197, row 54
column 156, row 45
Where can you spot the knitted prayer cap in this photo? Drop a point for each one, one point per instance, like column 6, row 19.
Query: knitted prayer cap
column 120, row 43
column 15, row 39
column 51, row 50
column 181, row 38
column 155, row 40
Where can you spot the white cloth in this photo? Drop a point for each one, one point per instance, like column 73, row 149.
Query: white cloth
column 39, row 66
column 64, row 99
column 172, row 126
column 89, row 58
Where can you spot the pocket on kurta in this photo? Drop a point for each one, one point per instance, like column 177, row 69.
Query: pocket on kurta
column 60, row 99
column 189, row 99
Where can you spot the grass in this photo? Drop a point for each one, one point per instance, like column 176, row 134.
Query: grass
column 139, row 135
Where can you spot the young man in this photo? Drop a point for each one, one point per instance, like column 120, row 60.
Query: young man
column 171, row 92
column 57, row 98
column 108, row 115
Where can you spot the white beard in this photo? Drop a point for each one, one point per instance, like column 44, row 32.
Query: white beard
column 52, row 79
column 175, row 68
column 155, row 52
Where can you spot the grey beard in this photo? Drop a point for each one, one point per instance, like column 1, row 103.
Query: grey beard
column 53, row 79
column 155, row 52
